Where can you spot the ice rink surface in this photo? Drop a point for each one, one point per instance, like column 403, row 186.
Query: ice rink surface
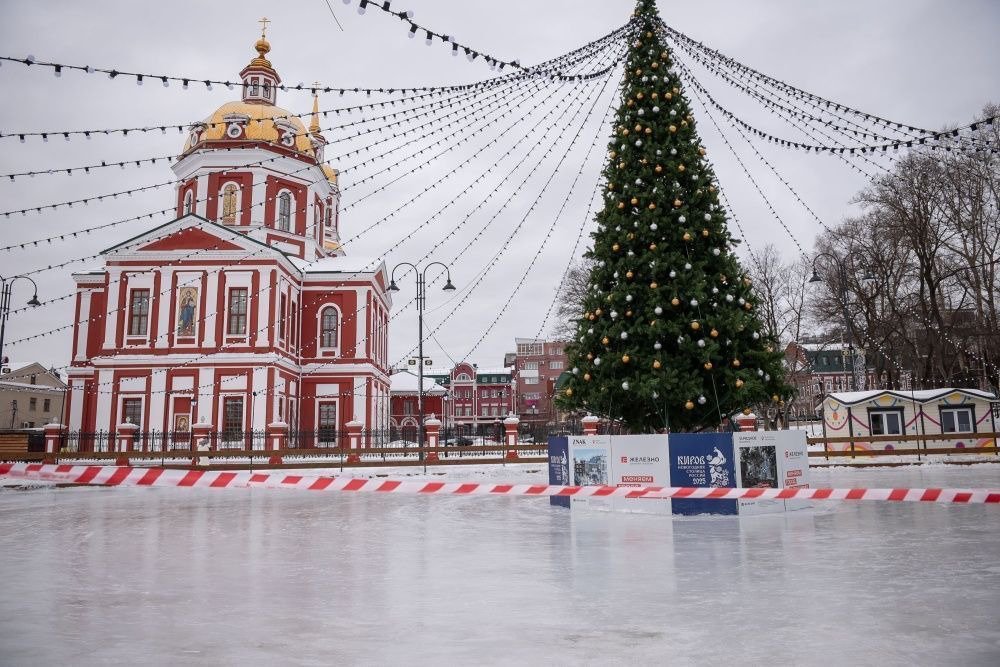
column 239, row 577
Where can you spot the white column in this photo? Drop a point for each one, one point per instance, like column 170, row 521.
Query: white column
column 258, row 384
column 157, row 399
column 258, row 194
column 205, row 392
column 208, row 321
column 361, row 318
column 201, row 201
column 164, row 300
column 359, row 401
column 83, row 329
column 111, row 320
column 263, row 323
column 76, row 404
column 104, row 387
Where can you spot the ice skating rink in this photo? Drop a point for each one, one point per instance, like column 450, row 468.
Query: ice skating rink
column 239, row 577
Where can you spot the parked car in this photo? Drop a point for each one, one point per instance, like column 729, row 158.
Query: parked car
column 463, row 441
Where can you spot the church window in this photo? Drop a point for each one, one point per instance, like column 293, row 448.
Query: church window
column 188, row 202
column 132, row 411
column 328, row 329
column 282, row 313
column 327, row 423
column 267, row 89
column 230, row 204
column 329, row 216
column 284, row 211
column 138, row 322
column 254, row 86
column 237, row 325
column 232, row 418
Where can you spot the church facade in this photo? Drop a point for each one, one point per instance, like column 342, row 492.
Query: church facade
column 244, row 310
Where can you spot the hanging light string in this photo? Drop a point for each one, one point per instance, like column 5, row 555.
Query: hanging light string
column 545, row 69
column 822, row 223
column 375, row 262
column 471, row 53
column 306, row 207
column 67, row 235
column 601, row 129
column 469, row 110
column 798, row 93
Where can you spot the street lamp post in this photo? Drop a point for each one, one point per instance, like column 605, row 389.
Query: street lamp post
column 842, row 279
column 6, row 287
column 421, row 302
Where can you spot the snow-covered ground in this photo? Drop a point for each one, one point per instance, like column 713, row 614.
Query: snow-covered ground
column 168, row 576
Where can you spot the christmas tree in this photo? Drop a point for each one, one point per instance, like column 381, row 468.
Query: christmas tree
column 668, row 336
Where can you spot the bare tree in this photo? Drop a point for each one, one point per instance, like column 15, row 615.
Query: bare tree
column 569, row 305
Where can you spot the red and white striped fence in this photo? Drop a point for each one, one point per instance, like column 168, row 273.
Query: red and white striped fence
column 126, row 476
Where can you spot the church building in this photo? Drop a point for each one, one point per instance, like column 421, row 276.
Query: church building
column 244, row 310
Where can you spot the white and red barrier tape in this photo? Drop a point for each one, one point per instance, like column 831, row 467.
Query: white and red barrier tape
column 125, row 476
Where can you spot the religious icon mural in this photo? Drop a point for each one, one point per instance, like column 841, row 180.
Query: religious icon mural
column 187, row 309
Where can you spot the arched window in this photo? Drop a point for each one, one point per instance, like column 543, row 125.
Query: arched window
column 230, row 204
column 329, row 326
column 284, row 211
column 189, row 202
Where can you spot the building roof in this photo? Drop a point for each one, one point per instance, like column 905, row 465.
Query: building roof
column 920, row 396
column 407, row 382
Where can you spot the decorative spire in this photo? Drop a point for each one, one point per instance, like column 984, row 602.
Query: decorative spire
column 314, row 125
column 262, row 46
column 260, row 81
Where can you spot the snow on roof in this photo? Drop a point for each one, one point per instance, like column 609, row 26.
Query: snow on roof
column 339, row 264
column 408, row 382
column 920, row 395
column 8, row 384
column 493, row 371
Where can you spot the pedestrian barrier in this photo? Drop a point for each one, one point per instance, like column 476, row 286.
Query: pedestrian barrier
column 126, row 476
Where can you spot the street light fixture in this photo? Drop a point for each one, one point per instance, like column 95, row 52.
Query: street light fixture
column 6, row 287
column 842, row 279
column 421, row 302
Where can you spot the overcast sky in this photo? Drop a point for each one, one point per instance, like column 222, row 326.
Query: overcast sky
column 926, row 63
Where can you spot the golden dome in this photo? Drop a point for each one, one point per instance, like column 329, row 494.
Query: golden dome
column 331, row 173
column 261, row 126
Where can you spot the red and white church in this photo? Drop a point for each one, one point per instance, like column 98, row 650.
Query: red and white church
column 244, row 310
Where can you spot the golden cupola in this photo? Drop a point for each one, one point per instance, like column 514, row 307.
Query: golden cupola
column 260, row 80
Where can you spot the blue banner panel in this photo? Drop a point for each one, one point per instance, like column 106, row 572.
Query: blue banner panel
column 559, row 467
column 702, row 459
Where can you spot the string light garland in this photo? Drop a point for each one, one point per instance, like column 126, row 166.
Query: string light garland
column 213, row 314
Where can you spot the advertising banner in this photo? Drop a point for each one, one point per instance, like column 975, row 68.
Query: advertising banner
column 559, row 467
column 702, row 459
column 589, row 464
column 640, row 460
column 793, row 465
column 757, row 455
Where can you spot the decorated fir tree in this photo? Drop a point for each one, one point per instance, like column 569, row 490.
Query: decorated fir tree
column 668, row 336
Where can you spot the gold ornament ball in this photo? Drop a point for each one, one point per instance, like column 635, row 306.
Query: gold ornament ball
column 653, row 285
column 736, row 363
column 591, row 317
column 775, row 398
column 704, row 233
column 747, row 306
column 589, row 356
column 626, row 358
column 628, row 313
column 695, row 325
column 701, row 150
column 747, row 282
column 673, row 128
column 635, row 200
column 681, row 168
column 643, row 161
column 604, row 341
column 663, row 55
column 675, row 301
column 638, row 127
column 687, row 236
column 655, row 64
column 684, row 123
column 638, row 71
column 569, row 391
column 708, row 365
column 668, row 95
column 652, row 207
column 711, row 188
column 630, row 102
column 652, row 246
column 640, row 95
column 628, row 274
column 615, row 247
column 625, row 132
column 586, row 377
column 677, row 91
column 649, row 130
column 739, row 383
column 649, row 35
column 677, row 203
column 621, row 204
column 689, row 405
column 655, row 96
column 713, row 333
column 656, row 363
column 631, row 236
column 598, row 312
column 658, row 169
column 746, row 411
column 621, row 165
column 612, row 155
